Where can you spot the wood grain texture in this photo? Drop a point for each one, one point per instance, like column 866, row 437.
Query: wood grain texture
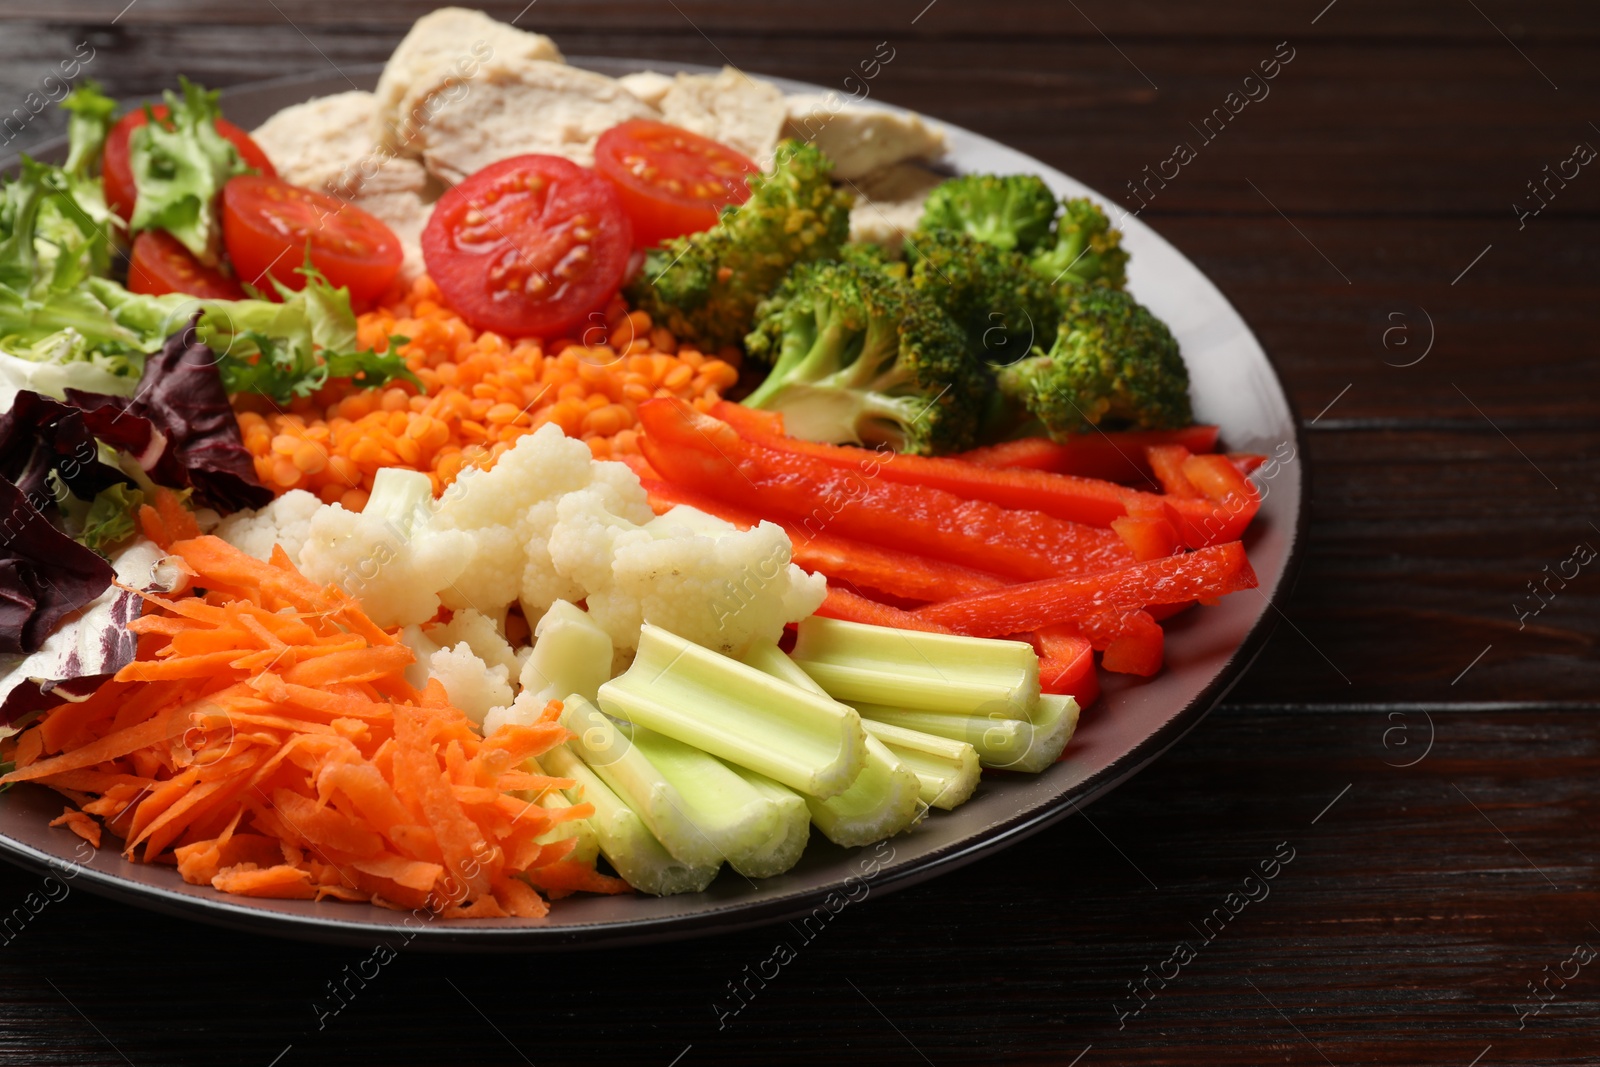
column 1424, row 894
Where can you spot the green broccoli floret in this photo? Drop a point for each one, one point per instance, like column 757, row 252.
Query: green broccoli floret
column 862, row 357
column 1011, row 211
column 704, row 287
column 1004, row 307
column 1113, row 363
column 1087, row 251
column 873, row 257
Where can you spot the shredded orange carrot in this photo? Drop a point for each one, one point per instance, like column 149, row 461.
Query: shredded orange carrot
column 80, row 824
column 271, row 746
column 167, row 519
column 483, row 393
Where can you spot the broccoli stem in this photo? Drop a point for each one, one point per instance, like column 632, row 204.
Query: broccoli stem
column 799, row 362
column 809, row 743
column 622, row 836
column 943, row 673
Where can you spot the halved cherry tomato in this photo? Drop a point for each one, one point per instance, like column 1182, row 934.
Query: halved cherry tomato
column 266, row 224
column 670, row 181
column 528, row 246
column 117, row 168
column 161, row 264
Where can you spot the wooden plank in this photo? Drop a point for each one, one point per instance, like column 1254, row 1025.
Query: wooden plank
column 1416, row 577
column 1403, row 931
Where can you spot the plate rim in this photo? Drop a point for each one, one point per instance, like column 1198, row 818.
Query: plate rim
column 723, row 916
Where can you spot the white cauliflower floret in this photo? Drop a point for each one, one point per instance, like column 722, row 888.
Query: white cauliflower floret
column 472, row 685
column 724, row 591
column 587, row 536
column 549, row 524
column 541, row 584
column 388, row 556
column 495, row 507
column 624, row 496
column 523, row 711
column 286, row 521
column 481, row 634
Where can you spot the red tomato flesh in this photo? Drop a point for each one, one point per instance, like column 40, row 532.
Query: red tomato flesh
column 529, row 246
column 160, row 264
column 117, row 168
column 267, row 223
column 670, row 181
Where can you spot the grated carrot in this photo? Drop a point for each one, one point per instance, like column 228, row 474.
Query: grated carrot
column 483, row 393
column 316, row 773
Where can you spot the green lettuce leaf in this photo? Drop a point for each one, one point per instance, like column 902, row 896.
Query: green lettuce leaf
column 282, row 350
column 110, row 518
column 178, row 173
column 90, row 119
column 62, row 361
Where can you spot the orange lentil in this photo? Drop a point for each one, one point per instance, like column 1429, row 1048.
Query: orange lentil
column 484, row 391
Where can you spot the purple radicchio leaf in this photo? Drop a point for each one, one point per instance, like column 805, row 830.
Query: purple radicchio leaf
column 182, row 396
column 44, row 574
column 39, row 435
column 86, row 650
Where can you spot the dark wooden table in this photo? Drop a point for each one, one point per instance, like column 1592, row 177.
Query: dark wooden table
column 1420, row 736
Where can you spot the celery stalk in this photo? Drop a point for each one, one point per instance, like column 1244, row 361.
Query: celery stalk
column 783, row 850
column 946, row 770
column 767, row 657
column 738, row 820
column 622, row 836
column 641, row 785
column 917, row 671
column 586, row 845
column 1009, row 744
column 811, row 744
column 882, row 800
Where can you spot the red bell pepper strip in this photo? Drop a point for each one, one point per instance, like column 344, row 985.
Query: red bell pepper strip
column 1117, row 455
column 1091, row 501
column 1232, row 501
column 749, row 421
column 1147, row 539
column 852, row 607
column 1167, row 463
column 1138, row 649
column 1066, row 664
column 1207, row 572
column 1246, row 462
column 882, row 570
column 707, row 455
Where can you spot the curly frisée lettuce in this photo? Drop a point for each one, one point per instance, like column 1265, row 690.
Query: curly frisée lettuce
column 281, row 350
column 180, row 165
column 65, row 323
column 90, row 118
